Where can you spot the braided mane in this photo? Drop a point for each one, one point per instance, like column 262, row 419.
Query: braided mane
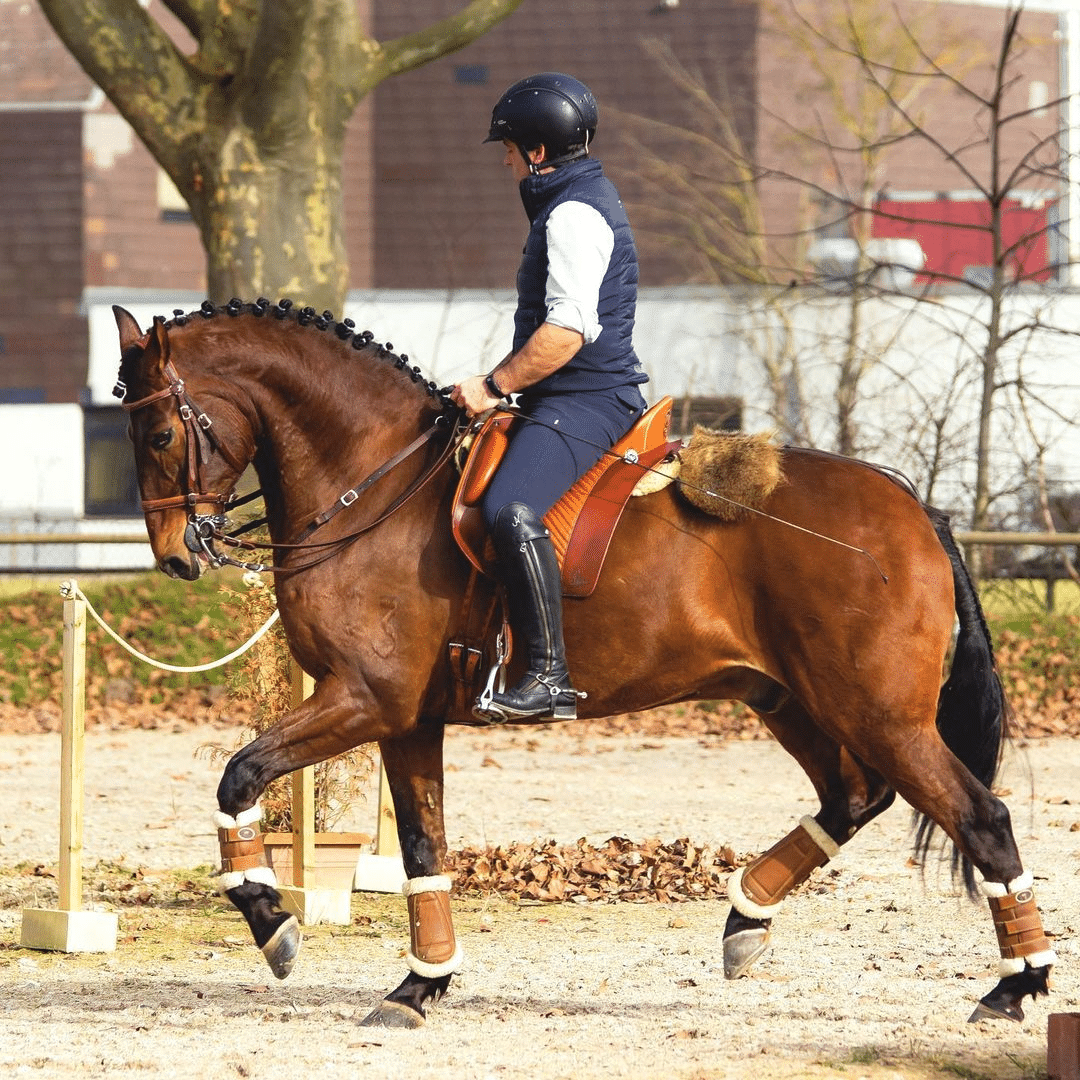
column 344, row 331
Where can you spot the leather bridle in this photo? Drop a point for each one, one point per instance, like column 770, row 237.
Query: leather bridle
column 203, row 529
column 201, row 441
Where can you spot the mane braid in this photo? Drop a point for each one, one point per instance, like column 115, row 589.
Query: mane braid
column 344, row 331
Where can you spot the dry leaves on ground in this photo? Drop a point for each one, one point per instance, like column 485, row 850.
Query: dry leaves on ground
column 620, row 870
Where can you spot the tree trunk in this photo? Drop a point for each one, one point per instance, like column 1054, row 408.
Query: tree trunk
column 273, row 226
column 251, row 125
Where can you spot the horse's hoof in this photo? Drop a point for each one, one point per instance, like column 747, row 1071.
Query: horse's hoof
column 742, row 948
column 280, row 951
column 999, row 1012
column 1003, row 1011
column 389, row 1014
column 1004, row 1001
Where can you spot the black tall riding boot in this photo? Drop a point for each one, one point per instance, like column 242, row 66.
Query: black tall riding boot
column 531, row 573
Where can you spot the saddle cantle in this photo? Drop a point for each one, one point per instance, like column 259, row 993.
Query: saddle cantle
column 582, row 522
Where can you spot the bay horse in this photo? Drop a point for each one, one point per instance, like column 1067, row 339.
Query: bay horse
column 830, row 614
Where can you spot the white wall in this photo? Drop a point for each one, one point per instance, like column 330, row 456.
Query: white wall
column 42, row 450
column 707, row 341
column 42, row 492
column 925, row 377
column 679, row 333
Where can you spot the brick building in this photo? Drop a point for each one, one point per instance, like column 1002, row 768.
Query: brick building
column 428, row 206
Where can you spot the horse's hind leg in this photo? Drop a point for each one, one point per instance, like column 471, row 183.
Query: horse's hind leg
column 851, row 794
column 414, row 771
column 938, row 786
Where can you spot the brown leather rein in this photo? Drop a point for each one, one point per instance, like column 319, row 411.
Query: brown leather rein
column 204, row 529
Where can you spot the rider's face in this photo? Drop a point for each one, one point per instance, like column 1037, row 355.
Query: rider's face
column 516, row 163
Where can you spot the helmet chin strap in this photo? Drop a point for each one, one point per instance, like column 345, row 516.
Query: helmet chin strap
column 532, row 166
column 535, row 167
column 574, row 155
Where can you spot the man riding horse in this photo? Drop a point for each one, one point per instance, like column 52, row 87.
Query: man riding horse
column 572, row 367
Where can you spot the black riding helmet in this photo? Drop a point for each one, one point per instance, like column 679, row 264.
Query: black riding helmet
column 549, row 109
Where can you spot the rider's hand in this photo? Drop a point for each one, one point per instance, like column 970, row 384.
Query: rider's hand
column 473, row 395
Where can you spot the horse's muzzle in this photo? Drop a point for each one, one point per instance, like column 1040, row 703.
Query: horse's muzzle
column 176, row 566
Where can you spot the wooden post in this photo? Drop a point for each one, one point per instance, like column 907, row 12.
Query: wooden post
column 70, row 929
column 382, row 870
column 308, row 903
column 303, row 796
column 386, row 838
column 72, row 737
column 1063, row 1046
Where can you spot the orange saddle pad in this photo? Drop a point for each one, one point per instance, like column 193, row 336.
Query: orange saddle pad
column 582, row 522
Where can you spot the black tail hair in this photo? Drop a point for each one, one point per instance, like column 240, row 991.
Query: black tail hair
column 972, row 714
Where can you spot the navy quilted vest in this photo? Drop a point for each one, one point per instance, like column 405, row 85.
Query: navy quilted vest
column 610, row 360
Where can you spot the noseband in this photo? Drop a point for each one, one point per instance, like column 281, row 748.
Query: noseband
column 201, row 443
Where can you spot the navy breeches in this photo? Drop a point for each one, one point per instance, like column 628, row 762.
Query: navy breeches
column 570, row 433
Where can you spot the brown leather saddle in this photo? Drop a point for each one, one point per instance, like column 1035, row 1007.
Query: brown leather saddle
column 583, row 521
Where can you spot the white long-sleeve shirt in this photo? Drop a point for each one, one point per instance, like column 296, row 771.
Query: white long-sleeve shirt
column 579, row 245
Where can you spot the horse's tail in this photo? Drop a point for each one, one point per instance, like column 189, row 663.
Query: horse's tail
column 972, row 713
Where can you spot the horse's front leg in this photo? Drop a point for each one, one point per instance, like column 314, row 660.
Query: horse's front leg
column 325, row 724
column 414, row 771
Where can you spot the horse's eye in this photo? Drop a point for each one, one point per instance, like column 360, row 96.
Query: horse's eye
column 160, row 439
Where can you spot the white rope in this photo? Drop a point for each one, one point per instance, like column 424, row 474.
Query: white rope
column 69, row 589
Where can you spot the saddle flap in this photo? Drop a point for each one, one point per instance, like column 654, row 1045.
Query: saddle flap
column 466, row 520
column 582, row 522
column 484, row 457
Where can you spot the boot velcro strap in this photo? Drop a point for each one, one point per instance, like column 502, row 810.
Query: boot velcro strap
column 1018, row 925
column 241, row 848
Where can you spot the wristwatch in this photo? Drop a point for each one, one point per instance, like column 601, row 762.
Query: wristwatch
column 493, row 387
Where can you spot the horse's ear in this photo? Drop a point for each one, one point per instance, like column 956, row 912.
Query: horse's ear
column 128, row 327
column 155, row 354
column 159, row 337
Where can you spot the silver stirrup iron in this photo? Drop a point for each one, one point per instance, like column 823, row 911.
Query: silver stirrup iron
column 496, row 674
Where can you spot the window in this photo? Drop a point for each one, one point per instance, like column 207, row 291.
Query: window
column 111, row 487
column 471, row 74
column 22, row 395
column 170, row 202
column 718, row 413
